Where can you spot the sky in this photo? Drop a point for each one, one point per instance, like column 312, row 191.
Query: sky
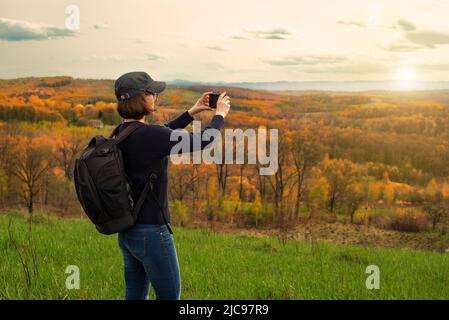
column 231, row 41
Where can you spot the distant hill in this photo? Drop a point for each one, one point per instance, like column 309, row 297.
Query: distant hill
column 319, row 85
column 104, row 87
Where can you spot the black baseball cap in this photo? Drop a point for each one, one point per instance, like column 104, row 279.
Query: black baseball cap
column 131, row 84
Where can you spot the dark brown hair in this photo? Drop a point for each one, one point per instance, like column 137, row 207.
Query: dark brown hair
column 133, row 108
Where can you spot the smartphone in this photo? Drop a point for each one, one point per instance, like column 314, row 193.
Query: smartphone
column 213, row 98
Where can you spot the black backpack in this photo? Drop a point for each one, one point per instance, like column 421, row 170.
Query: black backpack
column 103, row 187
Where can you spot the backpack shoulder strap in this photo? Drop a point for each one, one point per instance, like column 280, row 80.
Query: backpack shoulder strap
column 114, row 133
column 148, row 189
column 125, row 133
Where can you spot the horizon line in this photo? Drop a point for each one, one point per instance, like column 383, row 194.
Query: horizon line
column 243, row 81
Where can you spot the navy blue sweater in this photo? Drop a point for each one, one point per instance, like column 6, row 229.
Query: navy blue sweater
column 147, row 150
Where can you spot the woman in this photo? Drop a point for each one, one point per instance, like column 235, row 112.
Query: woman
column 150, row 258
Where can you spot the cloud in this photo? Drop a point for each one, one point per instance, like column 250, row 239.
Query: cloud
column 351, row 23
column 240, row 37
column 403, row 46
column 406, row 25
column 434, row 67
column 415, row 39
column 427, row 38
column 18, row 30
column 154, row 57
column 217, row 47
column 100, row 25
column 121, row 57
column 140, row 41
column 305, row 60
column 270, row 34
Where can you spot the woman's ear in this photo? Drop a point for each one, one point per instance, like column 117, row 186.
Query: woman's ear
column 150, row 103
column 148, row 99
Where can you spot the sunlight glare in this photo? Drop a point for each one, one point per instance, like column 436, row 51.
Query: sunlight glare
column 407, row 76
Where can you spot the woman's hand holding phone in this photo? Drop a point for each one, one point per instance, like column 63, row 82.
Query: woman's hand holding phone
column 223, row 105
column 201, row 104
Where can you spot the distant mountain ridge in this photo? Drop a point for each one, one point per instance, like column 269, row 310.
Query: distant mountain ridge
column 320, row 85
column 337, row 86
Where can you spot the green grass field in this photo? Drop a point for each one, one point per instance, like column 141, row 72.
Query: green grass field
column 213, row 266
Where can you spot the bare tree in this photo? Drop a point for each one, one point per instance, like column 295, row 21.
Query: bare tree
column 354, row 197
column 67, row 148
column 282, row 179
column 306, row 151
column 29, row 162
column 340, row 174
column 437, row 211
column 195, row 178
column 5, row 154
column 222, row 176
column 183, row 179
column 261, row 183
column 241, row 171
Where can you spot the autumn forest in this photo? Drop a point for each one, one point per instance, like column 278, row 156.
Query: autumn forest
column 375, row 159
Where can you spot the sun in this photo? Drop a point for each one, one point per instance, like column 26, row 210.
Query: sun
column 406, row 76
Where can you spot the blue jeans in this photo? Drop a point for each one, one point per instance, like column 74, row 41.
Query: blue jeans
column 150, row 260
